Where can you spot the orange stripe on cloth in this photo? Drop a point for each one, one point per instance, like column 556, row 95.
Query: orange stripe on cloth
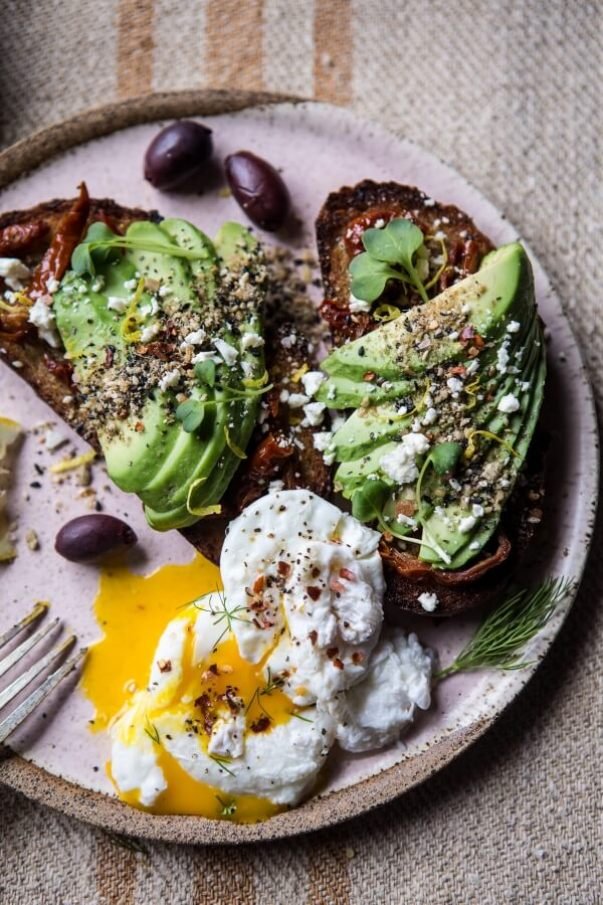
column 333, row 50
column 115, row 873
column 234, row 44
column 328, row 877
column 134, row 47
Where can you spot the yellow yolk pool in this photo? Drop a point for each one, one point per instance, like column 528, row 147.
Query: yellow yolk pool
column 133, row 612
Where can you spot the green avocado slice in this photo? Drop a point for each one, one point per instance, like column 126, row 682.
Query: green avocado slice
column 485, row 329
column 142, row 287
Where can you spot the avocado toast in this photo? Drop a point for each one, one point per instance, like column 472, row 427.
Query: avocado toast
column 149, row 339
column 440, row 357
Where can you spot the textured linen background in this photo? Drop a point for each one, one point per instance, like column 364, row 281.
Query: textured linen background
column 510, row 94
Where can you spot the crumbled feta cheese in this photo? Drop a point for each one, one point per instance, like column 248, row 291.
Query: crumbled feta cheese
column 454, row 334
column 276, row 486
column 131, row 285
column 206, row 356
column 474, row 545
column 96, row 286
column 163, row 290
column 14, row 273
column 455, row 484
column 466, row 309
column 379, row 223
column 321, row 440
column 228, row 352
column 477, row 510
column 472, row 367
column 195, row 338
column 170, row 379
column 428, row 601
column 284, row 396
column 358, row 305
column 52, row 284
column 508, row 404
column 54, row 439
column 295, row 400
column 314, row 413
column 400, row 464
column 454, row 385
column 513, row 327
column 312, row 381
column 149, row 332
column 467, row 524
column 402, row 410
column 406, row 520
column 289, row 341
column 251, row 341
column 42, row 317
column 116, row 303
column 428, row 202
column 502, row 359
column 430, row 416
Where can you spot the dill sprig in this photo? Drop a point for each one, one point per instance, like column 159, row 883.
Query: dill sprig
column 222, row 614
column 152, row 731
column 229, row 808
column 501, row 638
column 221, row 762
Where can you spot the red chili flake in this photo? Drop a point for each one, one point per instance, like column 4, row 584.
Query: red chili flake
column 315, row 572
column 370, row 375
column 336, row 585
column 259, row 584
column 458, row 370
column 332, row 652
column 313, row 636
column 357, row 657
column 347, row 574
column 62, row 370
column 109, row 356
column 260, row 725
column 164, row 665
column 338, row 663
column 284, row 569
column 213, row 669
column 139, row 427
column 313, row 593
column 203, row 703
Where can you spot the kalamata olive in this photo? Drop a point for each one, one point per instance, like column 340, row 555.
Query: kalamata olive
column 92, row 536
column 258, row 188
column 178, row 155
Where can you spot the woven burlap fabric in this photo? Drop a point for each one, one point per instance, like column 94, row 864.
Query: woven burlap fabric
column 509, row 93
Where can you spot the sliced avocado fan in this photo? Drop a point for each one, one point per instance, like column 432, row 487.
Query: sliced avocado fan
column 446, row 399
column 163, row 328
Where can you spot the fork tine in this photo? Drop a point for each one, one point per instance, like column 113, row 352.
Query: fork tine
column 10, row 723
column 37, row 611
column 26, row 646
column 15, row 687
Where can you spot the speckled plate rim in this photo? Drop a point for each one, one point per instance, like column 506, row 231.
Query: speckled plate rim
column 319, row 812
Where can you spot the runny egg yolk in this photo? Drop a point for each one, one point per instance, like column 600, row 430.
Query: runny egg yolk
column 133, row 611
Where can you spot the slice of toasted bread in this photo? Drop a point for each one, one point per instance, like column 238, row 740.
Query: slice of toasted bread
column 279, row 450
column 342, row 219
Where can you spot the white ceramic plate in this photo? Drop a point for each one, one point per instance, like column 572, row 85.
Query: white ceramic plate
column 319, row 148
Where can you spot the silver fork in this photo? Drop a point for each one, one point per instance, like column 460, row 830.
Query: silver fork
column 16, row 717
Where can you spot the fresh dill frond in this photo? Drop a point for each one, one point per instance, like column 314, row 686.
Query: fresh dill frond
column 298, row 716
column 229, row 808
column 221, row 762
column 500, row 640
column 153, row 732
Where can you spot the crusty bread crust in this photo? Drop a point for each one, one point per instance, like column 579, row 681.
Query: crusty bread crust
column 406, row 576
column 44, row 369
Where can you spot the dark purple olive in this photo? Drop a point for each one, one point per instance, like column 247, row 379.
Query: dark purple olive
column 92, row 536
column 178, row 155
column 258, row 188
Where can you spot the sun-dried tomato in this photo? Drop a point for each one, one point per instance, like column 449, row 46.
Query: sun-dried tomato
column 68, row 235
column 17, row 239
column 62, row 370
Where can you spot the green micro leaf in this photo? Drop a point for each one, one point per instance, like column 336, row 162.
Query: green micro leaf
column 369, row 500
column 369, row 277
column 205, row 372
column 191, row 414
column 444, row 457
column 389, row 255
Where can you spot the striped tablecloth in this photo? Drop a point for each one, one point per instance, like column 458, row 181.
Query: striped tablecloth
column 509, row 92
